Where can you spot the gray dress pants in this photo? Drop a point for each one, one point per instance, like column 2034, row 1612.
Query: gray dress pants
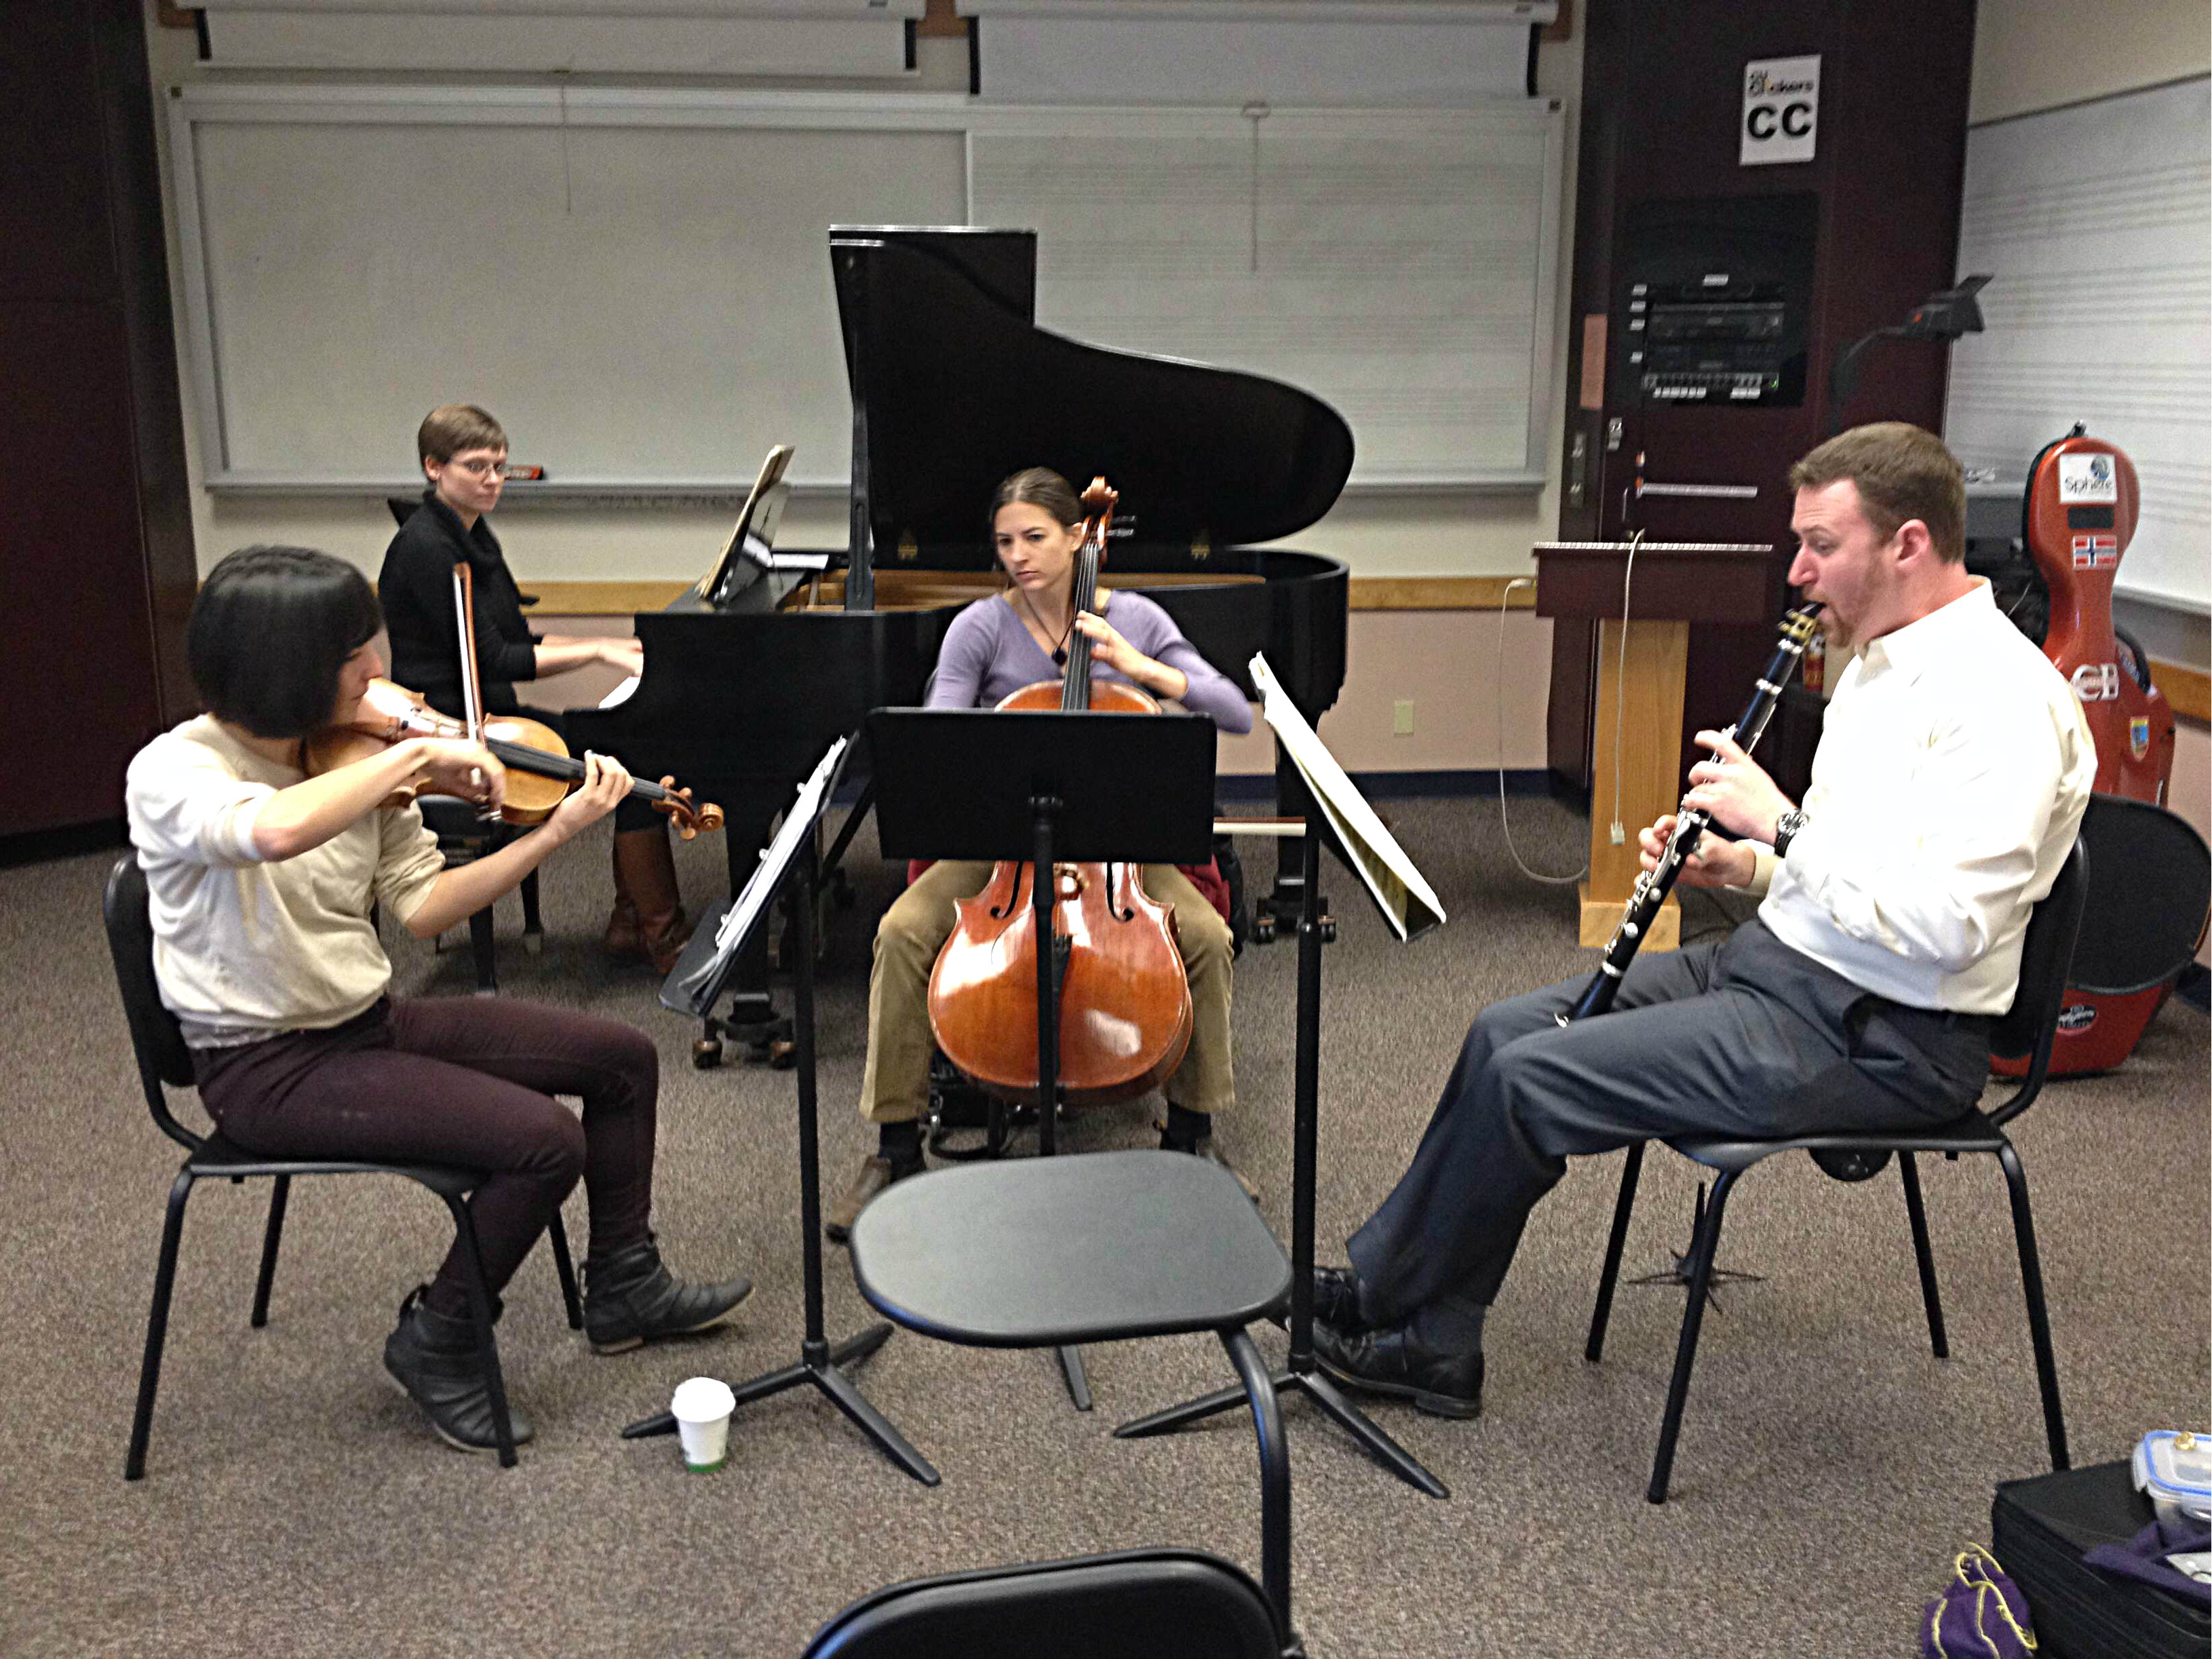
column 1741, row 1036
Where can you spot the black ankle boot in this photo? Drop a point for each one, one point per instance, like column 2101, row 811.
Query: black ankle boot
column 434, row 1358
column 630, row 1298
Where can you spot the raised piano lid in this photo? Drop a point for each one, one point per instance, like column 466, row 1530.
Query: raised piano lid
column 954, row 388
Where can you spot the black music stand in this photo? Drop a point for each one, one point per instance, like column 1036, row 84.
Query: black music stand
column 697, row 980
column 1044, row 787
column 1301, row 1374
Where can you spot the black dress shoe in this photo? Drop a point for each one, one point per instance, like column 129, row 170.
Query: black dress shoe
column 1335, row 1302
column 1395, row 1362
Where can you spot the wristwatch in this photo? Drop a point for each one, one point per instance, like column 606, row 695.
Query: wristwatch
column 1785, row 830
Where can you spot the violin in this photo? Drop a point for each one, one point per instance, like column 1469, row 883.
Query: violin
column 1125, row 1004
column 540, row 770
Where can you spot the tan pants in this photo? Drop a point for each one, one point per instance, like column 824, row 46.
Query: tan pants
column 896, row 1088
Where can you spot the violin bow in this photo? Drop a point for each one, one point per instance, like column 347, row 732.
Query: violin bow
column 465, row 621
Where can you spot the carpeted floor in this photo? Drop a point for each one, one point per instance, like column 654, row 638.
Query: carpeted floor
column 294, row 1505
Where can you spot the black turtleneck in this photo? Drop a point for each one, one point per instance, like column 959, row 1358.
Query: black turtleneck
column 417, row 589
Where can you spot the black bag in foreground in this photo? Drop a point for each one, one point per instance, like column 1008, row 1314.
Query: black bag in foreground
column 2040, row 1527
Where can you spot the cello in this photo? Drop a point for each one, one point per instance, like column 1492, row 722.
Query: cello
column 1124, row 1001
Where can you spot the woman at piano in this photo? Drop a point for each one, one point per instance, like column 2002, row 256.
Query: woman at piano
column 262, row 881
column 994, row 647
column 463, row 452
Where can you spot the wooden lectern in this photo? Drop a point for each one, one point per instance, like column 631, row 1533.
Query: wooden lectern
column 1661, row 587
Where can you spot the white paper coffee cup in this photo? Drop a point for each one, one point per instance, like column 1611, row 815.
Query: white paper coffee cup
column 701, row 1407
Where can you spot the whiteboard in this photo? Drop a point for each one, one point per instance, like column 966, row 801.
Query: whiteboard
column 2096, row 220
column 638, row 283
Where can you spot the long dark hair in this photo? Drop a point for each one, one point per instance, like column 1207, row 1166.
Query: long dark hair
column 272, row 629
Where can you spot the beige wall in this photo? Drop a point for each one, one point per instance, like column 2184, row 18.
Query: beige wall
column 2033, row 54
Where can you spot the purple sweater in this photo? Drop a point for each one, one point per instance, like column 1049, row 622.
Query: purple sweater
column 988, row 653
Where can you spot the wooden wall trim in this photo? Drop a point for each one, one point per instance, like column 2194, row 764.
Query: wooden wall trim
column 1440, row 594
column 601, row 599
column 621, row 598
column 2188, row 691
column 940, row 23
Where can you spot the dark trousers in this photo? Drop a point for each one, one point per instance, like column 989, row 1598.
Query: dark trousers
column 1741, row 1036
column 467, row 1081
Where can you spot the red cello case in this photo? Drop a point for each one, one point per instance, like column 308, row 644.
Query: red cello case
column 2149, row 871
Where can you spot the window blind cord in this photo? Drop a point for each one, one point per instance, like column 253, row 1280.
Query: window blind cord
column 1498, row 708
column 1620, row 686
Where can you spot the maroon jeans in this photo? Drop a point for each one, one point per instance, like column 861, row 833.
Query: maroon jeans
column 466, row 1081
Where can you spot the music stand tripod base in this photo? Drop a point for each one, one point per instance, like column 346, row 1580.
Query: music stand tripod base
column 820, row 1362
column 1685, row 1270
column 1302, row 1374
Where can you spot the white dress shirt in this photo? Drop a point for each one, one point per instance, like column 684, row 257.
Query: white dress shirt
column 1952, row 771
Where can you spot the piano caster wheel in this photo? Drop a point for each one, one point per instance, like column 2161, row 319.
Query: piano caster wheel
column 1328, row 930
column 1263, row 929
column 706, row 1054
column 533, row 943
column 774, row 1044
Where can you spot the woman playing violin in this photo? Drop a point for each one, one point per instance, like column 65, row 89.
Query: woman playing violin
column 262, row 880
column 994, row 647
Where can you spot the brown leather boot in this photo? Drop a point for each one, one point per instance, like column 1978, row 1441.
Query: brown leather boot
column 623, row 936
column 645, row 869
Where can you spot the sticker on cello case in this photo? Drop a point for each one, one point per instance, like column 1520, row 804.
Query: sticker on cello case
column 2085, row 551
column 2077, row 1016
column 2139, row 735
column 2088, row 475
column 2104, row 553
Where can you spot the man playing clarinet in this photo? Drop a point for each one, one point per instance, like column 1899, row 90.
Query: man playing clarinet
column 1949, row 783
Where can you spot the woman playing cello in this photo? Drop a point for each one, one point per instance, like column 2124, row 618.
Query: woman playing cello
column 261, row 879
column 994, row 647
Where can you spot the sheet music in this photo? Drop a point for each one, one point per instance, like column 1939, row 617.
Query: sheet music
column 793, row 559
column 692, row 990
column 1406, row 901
column 738, row 921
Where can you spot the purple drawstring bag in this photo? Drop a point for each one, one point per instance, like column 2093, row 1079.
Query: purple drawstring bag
column 1981, row 1614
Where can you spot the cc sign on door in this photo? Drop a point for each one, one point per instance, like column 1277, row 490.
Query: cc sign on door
column 1781, row 109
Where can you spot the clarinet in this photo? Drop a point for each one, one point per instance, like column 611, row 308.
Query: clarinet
column 1690, row 824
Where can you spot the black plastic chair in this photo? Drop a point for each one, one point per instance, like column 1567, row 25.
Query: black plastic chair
column 163, row 1058
column 1133, row 1604
column 2028, row 1030
column 463, row 836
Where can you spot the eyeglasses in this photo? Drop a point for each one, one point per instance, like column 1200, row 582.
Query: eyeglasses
column 478, row 468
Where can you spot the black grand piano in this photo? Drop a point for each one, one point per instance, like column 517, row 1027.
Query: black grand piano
column 954, row 386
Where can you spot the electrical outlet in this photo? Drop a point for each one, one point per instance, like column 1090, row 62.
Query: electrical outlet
column 1402, row 719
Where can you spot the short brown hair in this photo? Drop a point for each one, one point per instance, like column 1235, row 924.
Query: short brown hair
column 1902, row 472
column 450, row 429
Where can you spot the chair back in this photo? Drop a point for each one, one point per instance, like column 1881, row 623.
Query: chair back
column 1135, row 1604
column 155, row 1036
column 2046, row 953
